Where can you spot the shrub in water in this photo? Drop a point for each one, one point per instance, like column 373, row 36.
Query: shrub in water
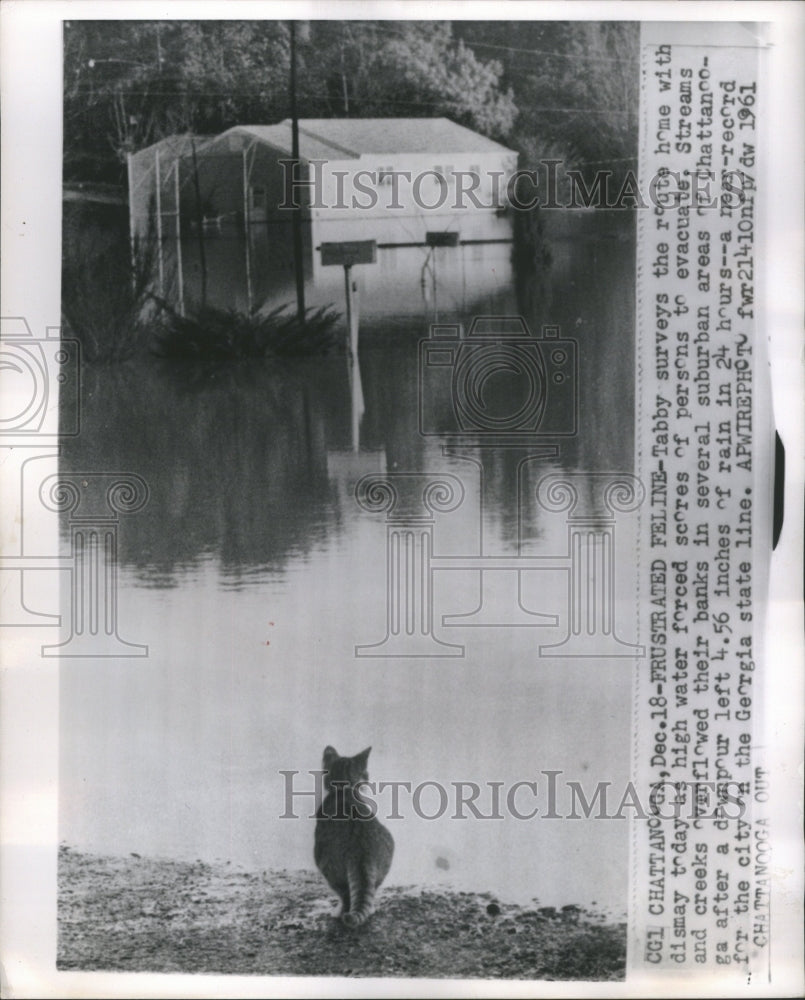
column 215, row 335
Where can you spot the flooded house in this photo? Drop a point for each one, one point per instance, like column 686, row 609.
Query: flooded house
column 431, row 193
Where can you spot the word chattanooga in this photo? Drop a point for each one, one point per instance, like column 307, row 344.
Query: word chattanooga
column 552, row 796
column 326, row 187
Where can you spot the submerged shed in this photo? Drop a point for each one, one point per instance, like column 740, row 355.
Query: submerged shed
column 394, row 180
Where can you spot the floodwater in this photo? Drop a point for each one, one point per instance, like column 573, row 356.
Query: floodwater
column 407, row 278
column 253, row 573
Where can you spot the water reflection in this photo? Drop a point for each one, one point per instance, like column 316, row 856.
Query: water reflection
column 239, row 460
column 252, row 573
column 225, row 460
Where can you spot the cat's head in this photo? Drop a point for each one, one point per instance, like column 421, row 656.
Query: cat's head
column 344, row 770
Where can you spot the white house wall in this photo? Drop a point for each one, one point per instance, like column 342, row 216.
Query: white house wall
column 408, row 279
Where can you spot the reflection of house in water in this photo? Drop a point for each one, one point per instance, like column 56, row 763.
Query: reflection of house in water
column 226, row 201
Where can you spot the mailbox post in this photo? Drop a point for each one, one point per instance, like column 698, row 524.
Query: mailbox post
column 347, row 255
column 350, row 293
column 435, row 239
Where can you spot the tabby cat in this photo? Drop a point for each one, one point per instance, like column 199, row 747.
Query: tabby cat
column 353, row 849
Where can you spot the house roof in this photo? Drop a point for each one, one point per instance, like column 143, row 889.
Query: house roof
column 279, row 136
column 350, row 138
column 177, row 145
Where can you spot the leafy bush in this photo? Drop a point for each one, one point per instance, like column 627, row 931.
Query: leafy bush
column 105, row 293
column 221, row 335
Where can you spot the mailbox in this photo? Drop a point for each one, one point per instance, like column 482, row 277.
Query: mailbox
column 441, row 239
column 347, row 254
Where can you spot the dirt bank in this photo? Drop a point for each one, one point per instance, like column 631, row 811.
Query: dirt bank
column 138, row 914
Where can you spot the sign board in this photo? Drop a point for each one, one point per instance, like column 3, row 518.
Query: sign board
column 347, row 254
column 441, row 239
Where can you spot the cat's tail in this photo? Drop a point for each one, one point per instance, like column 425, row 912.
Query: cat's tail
column 362, row 892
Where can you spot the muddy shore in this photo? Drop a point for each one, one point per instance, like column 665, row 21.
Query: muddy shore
column 139, row 914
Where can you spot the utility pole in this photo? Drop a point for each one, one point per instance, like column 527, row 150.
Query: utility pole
column 296, row 217
column 202, row 253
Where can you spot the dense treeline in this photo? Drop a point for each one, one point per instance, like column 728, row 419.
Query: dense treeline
column 548, row 89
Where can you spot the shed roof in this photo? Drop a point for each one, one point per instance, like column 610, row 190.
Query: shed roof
column 177, row 145
column 350, row 138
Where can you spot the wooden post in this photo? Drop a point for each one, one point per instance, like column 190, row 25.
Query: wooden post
column 179, row 261
column 159, row 224
column 247, row 233
column 352, row 312
column 355, row 383
column 435, row 287
column 132, row 222
column 356, row 405
column 296, row 216
column 435, row 239
column 202, row 253
column 346, row 254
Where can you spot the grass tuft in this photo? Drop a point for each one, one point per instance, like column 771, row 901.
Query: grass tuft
column 221, row 335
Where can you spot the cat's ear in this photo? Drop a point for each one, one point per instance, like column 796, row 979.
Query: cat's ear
column 362, row 758
column 330, row 754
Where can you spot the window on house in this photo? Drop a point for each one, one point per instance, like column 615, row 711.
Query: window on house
column 447, row 175
column 258, row 198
